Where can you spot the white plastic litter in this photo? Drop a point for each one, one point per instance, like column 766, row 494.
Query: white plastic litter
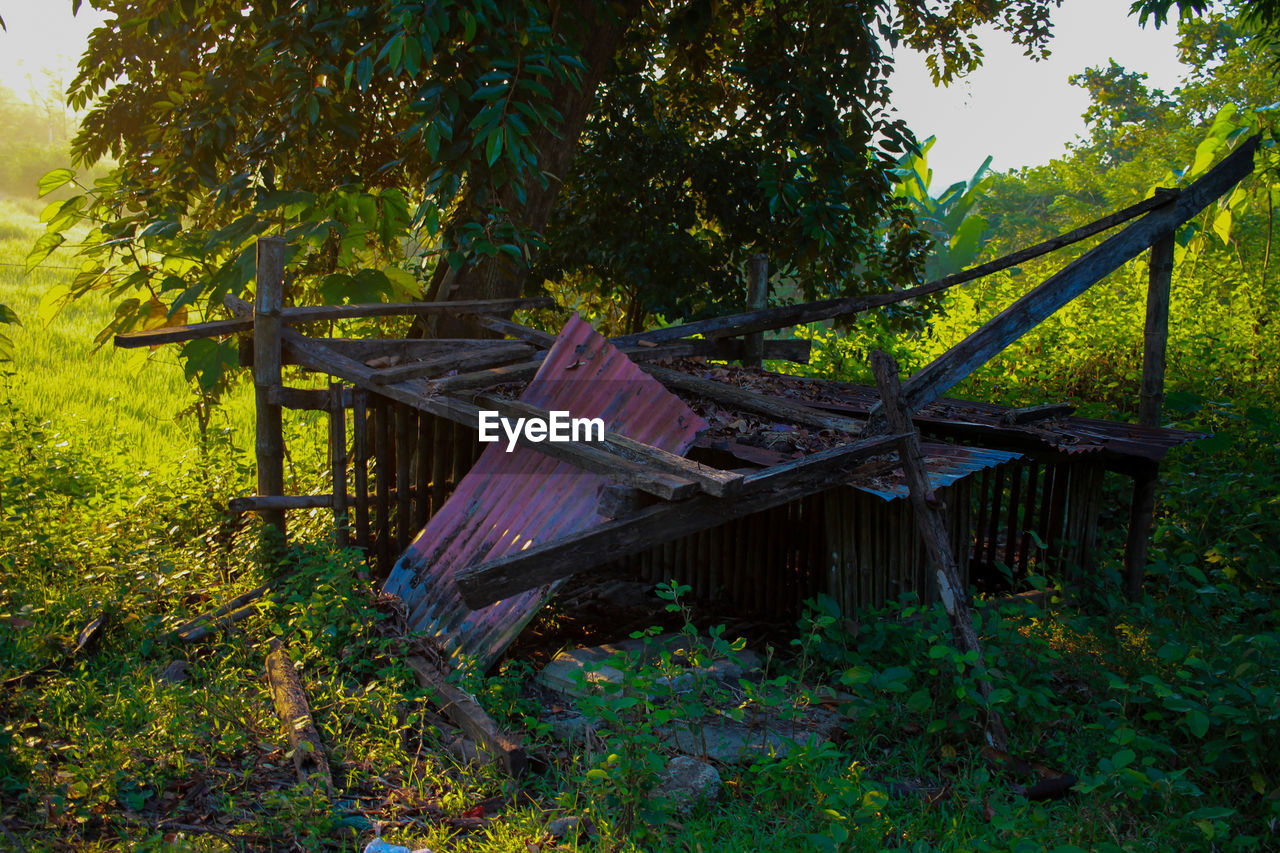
column 377, row 845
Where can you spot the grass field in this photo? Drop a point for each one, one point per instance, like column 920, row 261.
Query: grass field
column 1168, row 710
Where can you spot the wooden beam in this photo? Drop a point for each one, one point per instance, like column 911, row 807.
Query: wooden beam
column 1155, row 338
column 269, row 441
column 467, row 714
column 540, row 339
column 313, row 313
column 549, row 561
column 420, row 395
column 791, row 315
column 1142, row 506
column 174, row 334
column 498, row 352
column 710, row 480
column 931, row 523
column 308, row 399
column 934, row 380
column 757, row 300
column 750, row 401
column 278, row 503
column 338, row 464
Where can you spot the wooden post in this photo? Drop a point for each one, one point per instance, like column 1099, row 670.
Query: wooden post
column 1155, row 337
column 1141, row 513
column 1155, row 340
column 338, row 457
column 757, row 299
column 360, row 450
column 932, row 522
column 269, row 442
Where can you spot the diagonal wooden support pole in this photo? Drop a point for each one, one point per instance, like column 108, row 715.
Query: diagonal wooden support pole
column 932, row 522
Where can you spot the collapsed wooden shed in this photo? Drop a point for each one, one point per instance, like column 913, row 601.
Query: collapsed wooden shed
column 762, row 526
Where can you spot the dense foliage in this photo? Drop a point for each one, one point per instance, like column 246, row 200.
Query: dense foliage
column 391, row 138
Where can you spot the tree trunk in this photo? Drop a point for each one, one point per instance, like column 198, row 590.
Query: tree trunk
column 599, row 29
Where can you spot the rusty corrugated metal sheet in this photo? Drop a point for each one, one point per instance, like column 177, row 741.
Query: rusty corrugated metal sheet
column 509, row 501
column 946, row 464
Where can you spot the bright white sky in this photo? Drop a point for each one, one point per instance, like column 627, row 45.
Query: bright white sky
column 1020, row 111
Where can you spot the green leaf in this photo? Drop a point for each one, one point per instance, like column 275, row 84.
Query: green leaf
column 206, row 361
column 8, row 316
column 1198, row 722
column 51, row 181
column 43, row 248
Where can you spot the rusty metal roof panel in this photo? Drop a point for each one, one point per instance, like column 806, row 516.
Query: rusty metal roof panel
column 510, row 501
column 946, row 465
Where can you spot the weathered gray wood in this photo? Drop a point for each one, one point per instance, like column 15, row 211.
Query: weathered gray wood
column 207, row 623
column 308, row 399
column 636, row 532
column 750, row 401
column 496, row 353
column 263, row 504
column 290, row 699
column 174, row 334
column 932, row 523
column 726, row 349
column 338, row 464
column 713, row 481
column 537, row 337
column 406, row 434
column 420, row 395
column 360, row 463
column 1042, row 412
column 1155, row 336
column 1141, row 515
column 269, row 443
column 403, row 349
column 313, row 313
column 467, row 714
column 791, row 315
column 757, row 300
column 934, row 380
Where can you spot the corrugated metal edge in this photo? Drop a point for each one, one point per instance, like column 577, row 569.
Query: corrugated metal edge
column 946, row 464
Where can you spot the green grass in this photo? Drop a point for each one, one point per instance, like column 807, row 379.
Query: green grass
column 1167, row 710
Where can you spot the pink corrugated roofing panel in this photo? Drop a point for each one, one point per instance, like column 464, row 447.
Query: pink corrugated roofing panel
column 509, row 501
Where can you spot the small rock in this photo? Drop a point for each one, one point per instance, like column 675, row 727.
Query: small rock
column 562, row 826
column 570, row 727
column 688, row 782
column 464, row 749
column 175, row 672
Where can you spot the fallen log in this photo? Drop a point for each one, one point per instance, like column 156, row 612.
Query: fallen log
column 290, row 698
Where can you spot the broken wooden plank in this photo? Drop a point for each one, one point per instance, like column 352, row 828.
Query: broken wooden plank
column 537, row 337
column 711, row 480
column 1032, row 414
column 290, row 699
column 190, row 332
column 757, row 299
column 496, row 353
column 308, row 399
column 792, row 315
column 467, row 714
column 278, row 503
column 206, row 623
column 550, row 561
column 313, row 313
column 420, row 395
column 932, row 524
column 935, row 379
column 773, row 407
